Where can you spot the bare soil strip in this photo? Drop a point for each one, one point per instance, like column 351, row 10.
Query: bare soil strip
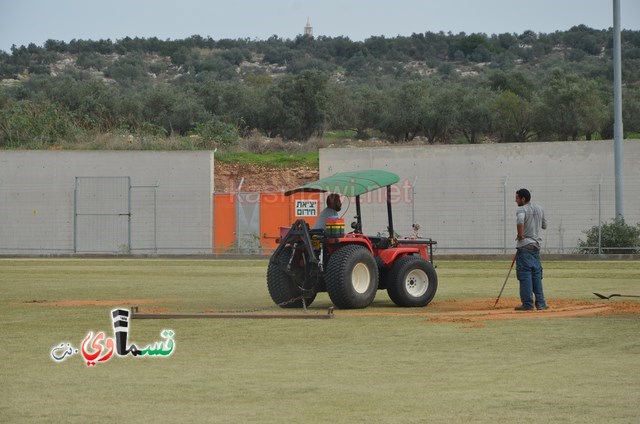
column 464, row 311
column 482, row 310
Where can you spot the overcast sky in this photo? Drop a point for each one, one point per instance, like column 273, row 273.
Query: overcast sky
column 35, row 21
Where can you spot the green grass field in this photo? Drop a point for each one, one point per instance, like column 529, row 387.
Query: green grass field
column 355, row 368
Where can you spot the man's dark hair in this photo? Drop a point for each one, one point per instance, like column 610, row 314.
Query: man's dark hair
column 332, row 198
column 524, row 194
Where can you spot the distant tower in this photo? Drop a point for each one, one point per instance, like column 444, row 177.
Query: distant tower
column 308, row 29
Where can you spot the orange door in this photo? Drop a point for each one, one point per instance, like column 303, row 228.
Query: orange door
column 224, row 223
column 278, row 210
column 274, row 213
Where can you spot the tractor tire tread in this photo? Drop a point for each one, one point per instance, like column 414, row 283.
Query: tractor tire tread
column 282, row 289
column 339, row 288
column 396, row 281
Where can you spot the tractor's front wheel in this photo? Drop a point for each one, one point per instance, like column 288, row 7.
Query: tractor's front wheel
column 412, row 282
column 282, row 287
column 352, row 277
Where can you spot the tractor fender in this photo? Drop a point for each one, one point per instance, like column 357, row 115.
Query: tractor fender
column 335, row 244
column 389, row 256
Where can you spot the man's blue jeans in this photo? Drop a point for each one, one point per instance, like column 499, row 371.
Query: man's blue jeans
column 529, row 272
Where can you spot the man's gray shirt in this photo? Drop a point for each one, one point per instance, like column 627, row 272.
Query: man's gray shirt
column 321, row 223
column 531, row 217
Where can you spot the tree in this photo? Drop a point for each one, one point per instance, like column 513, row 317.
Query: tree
column 235, row 56
column 513, row 117
column 239, row 104
column 631, row 109
column 474, row 112
column 583, row 38
column 217, row 65
column 467, row 44
column 357, row 64
column 39, row 123
column 341, row 110
column 592, row 112
column 403, row 119
column 87, row 60
column 93, row 102
column 300, row 63
column 55, row 46
column 128, row 70
column 572, row 106
column 175, row 110
column 217, row 131
column 504, row 41
column 297, row 107
column 517, row 82
column 370, row 105
column 439, row 112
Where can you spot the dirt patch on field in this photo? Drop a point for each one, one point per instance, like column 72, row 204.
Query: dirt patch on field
column 472, row 313
column 85, row 302
column 477, row 311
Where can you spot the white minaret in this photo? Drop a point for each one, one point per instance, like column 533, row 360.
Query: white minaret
column 308, row 29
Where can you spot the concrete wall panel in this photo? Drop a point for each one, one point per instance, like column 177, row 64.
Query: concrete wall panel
column 171, row 200
column 463, row 195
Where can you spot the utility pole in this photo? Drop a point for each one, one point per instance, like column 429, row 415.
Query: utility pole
column 617, row 108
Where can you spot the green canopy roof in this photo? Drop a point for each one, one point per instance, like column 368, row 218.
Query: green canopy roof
column 350, row 184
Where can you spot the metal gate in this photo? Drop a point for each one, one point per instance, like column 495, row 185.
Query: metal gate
column 102, row 215
column 248, row 222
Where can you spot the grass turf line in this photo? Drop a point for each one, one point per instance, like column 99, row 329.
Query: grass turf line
column 350, row 369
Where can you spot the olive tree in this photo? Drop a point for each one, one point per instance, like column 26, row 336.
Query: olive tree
column 296, row 106
column 572, row 106
column 513, row 117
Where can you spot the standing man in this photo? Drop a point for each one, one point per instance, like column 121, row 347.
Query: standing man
column 529, row 220
column 334, row 204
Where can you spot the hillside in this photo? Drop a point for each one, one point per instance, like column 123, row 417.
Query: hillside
column 200, row 93
column 161, row 69
column 417, row 55
column 257, row 178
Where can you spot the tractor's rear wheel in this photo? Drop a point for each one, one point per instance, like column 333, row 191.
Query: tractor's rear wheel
column 352, row 277
column 282, row 287
column 412, row 282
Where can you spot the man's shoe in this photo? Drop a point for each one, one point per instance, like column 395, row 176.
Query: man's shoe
column 543, row 308
column 524, row 308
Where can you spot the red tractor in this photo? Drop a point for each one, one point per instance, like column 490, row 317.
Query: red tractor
column 351, row 267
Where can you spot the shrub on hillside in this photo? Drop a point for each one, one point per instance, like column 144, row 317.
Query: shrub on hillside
column 217, row 131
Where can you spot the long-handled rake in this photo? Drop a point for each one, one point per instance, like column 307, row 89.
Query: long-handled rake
column 601, row 296
column 505, row 280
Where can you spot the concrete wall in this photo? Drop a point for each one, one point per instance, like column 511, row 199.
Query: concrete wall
column 463, row 195
column 54, row 202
